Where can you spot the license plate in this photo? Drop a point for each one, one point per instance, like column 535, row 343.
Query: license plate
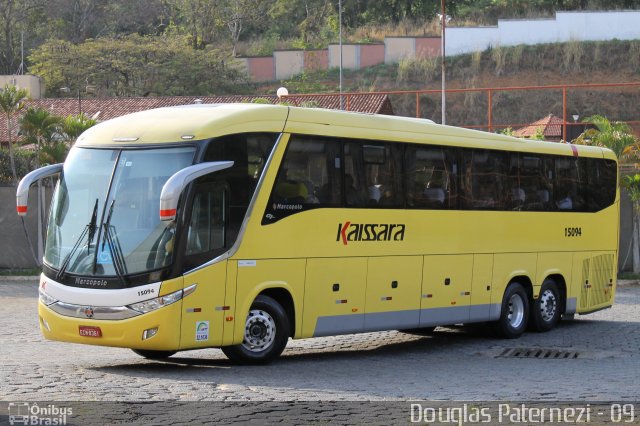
column 90, row 331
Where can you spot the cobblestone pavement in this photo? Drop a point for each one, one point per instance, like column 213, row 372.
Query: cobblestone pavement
column 452, row 364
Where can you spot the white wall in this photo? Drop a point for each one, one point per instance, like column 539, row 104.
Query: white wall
column 567, row 26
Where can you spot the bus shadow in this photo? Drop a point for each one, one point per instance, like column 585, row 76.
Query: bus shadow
column 457, row 341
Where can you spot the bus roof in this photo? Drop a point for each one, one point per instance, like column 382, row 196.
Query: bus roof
column 198, row 122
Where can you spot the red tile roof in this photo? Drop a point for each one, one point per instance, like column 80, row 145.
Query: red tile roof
column 550, row 125
column 107, row 108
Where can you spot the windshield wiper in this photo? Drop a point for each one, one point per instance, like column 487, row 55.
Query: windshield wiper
column 113, row 243
column 90, row 229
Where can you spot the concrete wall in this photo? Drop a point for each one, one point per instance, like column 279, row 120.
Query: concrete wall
column 398, row 48
column 14, row 249
column 33, row 84
column 288, row 63
column 566, row 26
column 316, row 60
column 350, row 56
column 259, row 68
column 371, row 54
column 428, row 47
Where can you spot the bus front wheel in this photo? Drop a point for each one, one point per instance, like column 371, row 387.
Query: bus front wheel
column 546, row 308
column 266, row 332
column 514, row 313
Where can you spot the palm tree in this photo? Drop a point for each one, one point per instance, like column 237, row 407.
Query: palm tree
column 41, row 127
column 617, row 136
column 74, row 125
column 11, row 101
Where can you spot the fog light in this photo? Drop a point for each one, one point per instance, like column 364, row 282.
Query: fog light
column 45, row 324
column 148, row 334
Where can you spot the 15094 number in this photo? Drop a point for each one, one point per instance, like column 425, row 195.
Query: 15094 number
column 573, row 232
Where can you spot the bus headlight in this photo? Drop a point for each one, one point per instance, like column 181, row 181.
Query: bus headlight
column 159, row 302
column 45, row 298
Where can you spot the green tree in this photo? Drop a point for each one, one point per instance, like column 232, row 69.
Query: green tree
column 74, row 125
column 11, row 101
column 136, row 66
column 42, row 128
column 617, row 136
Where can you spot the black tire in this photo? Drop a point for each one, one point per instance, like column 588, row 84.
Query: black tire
column 153, row 354
column 266, row 333
column 422, row 331
column 546, row 310
column 514, row 313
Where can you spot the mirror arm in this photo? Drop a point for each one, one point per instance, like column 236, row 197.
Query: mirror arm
column 22, row 193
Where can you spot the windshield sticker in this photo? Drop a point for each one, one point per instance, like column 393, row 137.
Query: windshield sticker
column 202, row 331
column 370, row 232
column 104, row 255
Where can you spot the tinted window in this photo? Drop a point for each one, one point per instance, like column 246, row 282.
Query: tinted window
column 531, row 182
column 484, row 184
column 373, row 173
column 430, row 178
column 309, row 177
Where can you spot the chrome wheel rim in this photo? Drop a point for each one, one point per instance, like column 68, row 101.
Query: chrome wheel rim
column 259, row 331
column 548, row 305
column 516, row 311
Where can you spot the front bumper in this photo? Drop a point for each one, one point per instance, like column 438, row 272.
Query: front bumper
column 124, row 333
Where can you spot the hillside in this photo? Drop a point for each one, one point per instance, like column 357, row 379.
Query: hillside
column 542, row 65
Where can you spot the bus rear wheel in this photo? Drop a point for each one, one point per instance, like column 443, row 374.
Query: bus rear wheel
column 546, row 308
column 153, row 354
column 514, row 313
column 266, row 332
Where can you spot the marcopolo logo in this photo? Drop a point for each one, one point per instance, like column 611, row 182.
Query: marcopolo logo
column 370, row 232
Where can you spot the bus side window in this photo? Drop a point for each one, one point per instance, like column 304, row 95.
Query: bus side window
column 485, row 180
column 429, row 181
column 309, row 177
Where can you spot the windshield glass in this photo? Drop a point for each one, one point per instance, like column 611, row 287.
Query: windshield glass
column 107, row 207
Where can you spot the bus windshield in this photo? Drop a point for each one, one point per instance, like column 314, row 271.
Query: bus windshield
column 104, row 218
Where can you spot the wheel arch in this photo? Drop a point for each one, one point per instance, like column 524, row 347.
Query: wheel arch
column 525, row 281
column 285, row 299
column 561, row 283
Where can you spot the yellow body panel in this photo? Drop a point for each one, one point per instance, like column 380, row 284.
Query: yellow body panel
column 393, row 283
column 447, row 281
column 335, row 287
column 205, row 307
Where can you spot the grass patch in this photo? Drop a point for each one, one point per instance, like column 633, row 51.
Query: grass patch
column 628, row 276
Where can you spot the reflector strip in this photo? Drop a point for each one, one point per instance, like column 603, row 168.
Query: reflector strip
column 341, row 301
column 21, row 209
column 383, row 298
column 223, row 308
column 167, row 213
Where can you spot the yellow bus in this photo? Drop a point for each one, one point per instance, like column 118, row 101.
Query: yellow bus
column 241, row 226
